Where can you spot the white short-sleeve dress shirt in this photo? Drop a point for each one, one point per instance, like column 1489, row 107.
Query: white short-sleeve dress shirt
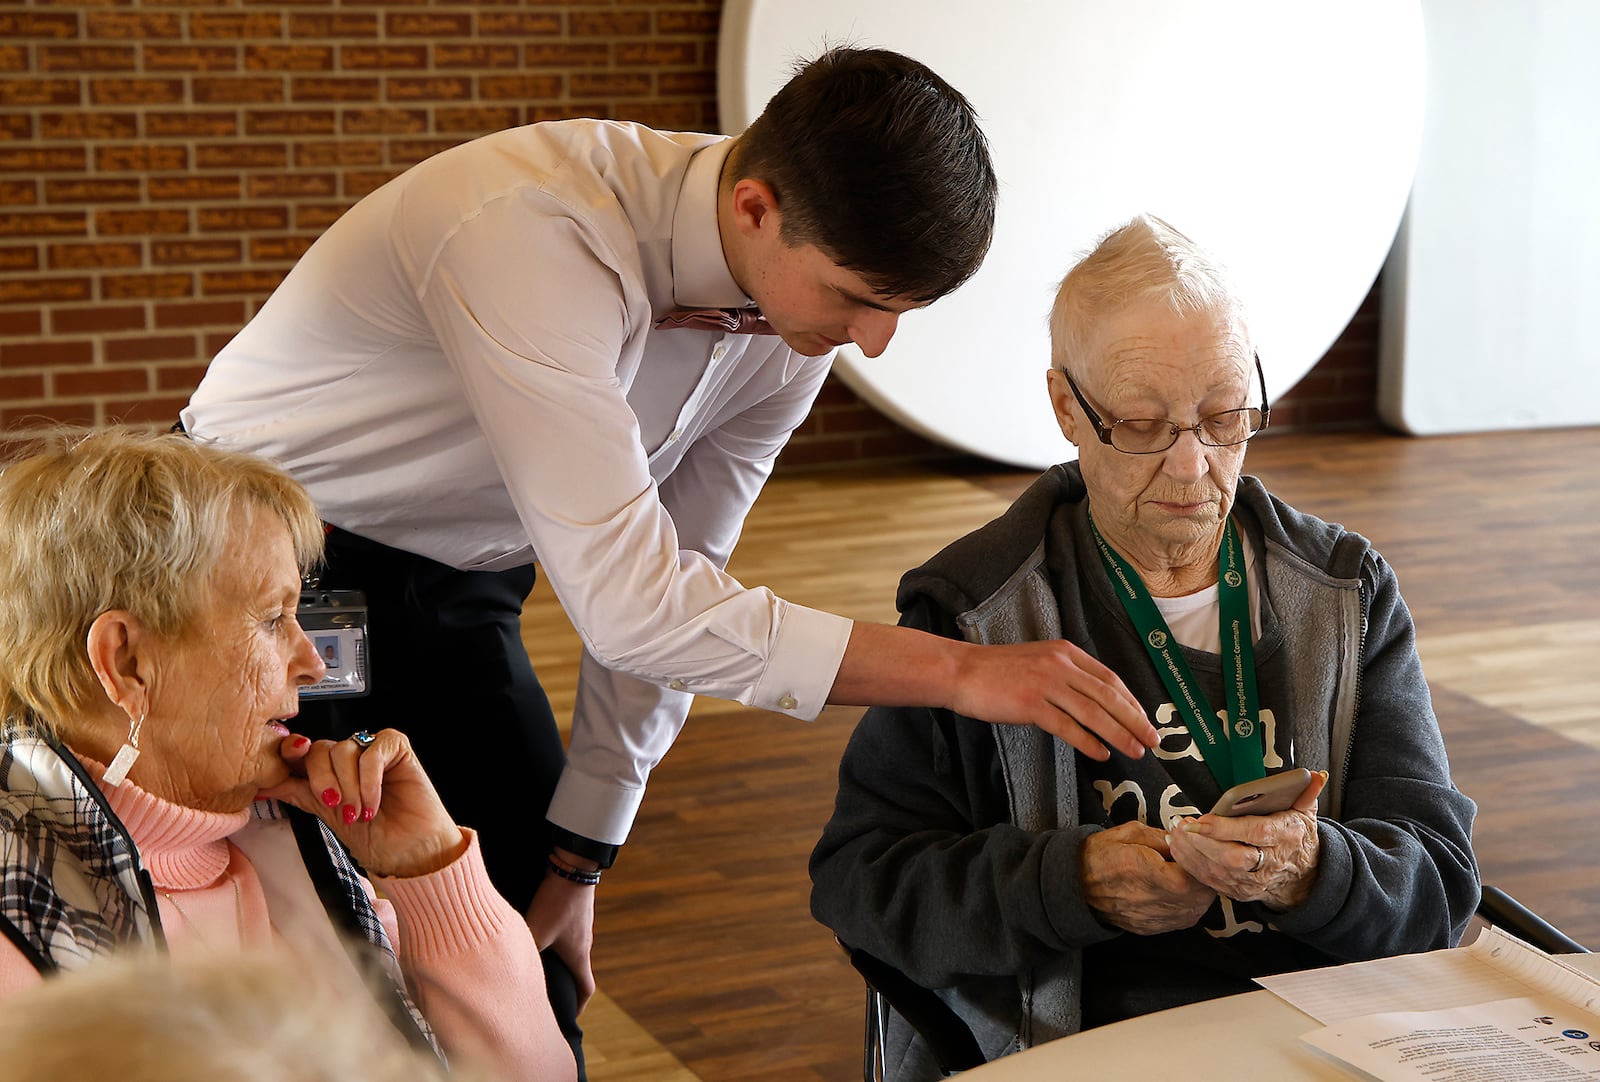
column 464, row 366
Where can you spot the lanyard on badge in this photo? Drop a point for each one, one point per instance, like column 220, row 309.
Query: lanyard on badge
column 1244, row 757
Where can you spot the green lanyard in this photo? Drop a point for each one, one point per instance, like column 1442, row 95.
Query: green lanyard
column 1244, row 760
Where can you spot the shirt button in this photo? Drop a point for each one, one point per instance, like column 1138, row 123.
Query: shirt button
column 676, row 685
column 677, row 434
column 719, row 352
column 788, row 702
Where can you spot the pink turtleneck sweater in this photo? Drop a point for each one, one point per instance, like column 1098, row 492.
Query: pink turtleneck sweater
column 469, row 960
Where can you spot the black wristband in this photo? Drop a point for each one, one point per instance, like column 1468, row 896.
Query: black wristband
column 601, row 853
column 574, row 875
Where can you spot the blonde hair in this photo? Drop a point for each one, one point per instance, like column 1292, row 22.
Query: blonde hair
column 118, row 520
column 1145, row 259
column 252, row 1017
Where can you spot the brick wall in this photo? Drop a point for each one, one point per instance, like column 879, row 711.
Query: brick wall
column 164, row 162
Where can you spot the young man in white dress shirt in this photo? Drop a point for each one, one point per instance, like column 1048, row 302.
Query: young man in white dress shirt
column 474, row 368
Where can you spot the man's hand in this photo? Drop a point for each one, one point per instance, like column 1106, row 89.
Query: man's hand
column 561, row 916
column 1051, row 684
column 1131, row 885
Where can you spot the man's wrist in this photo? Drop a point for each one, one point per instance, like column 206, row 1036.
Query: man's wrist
column 582, row 852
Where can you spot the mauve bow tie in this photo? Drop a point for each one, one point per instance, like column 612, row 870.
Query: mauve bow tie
column 727, row 320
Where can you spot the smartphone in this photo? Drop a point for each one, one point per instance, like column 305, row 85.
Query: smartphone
column 1273, row 793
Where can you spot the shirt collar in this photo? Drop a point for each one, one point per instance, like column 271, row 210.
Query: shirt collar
column 700, row 275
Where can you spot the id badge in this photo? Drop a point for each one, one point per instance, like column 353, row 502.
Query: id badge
column 336, row 623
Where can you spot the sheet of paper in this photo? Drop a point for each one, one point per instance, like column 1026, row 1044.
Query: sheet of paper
column 1535, row 1039
column 1496, row 966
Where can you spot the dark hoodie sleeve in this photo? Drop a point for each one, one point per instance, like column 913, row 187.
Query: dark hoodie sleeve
column 1396, row 873
column 919, row 864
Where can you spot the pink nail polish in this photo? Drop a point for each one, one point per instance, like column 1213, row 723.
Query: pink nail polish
column 349, row 814
column 330, row 797
column 367, row 814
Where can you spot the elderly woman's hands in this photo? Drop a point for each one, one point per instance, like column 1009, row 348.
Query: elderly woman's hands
column 377, row 799
column 1130, row 884
column 1255, row 858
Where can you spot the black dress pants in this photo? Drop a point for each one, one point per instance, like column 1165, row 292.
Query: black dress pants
column 448, row 669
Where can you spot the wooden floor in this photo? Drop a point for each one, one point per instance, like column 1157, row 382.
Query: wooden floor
column 709, row 964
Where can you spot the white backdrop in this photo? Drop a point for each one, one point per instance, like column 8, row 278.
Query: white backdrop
column 1282, row 136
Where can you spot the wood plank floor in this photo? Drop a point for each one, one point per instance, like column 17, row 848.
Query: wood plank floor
column 709, row 962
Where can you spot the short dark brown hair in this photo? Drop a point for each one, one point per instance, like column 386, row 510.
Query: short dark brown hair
column 881, row 164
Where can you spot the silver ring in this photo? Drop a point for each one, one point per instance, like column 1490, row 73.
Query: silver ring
column 363, row 739
column 1261, row 855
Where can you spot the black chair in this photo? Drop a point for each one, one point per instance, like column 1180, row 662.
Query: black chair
column 954, row 1047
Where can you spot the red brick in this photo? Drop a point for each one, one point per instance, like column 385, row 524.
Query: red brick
column 23, row 93
column 14, row 290
column 609, row 24
column 248, row 282
column 568, row 111
column 428, row 88
column 13, row 58
column 476, row 120
column 95, row 256
column 13, row 388
column 135, row 92
column 703, row 24
column 278, row 249
column 20, row 323
column 141, row 158
column 565, row 54
column 102, row 381
column 18, row 126
column 235, row 26
column 149, row 286
column 382, row 57
column 15, row 25
column 290, row 122
column 241, row 156
column 291, row 186
column 697, row 83
column 333, row 24
column 477, row 57
column 74, row 415
column 46, row 354
column 161, row 411
column 19, row 193
column 520, row 87
column 41, row 159
column 354, row 185
column 127, row 223
column 411, row 151
column 431, row 24
column 213, row 344
column 199, row 314
column 82, row 59
column 322, row 155
column 150, row 347
column 239, row 90
column 179, row 377
column 333, row 89
column 198, row 58
column 235, row 219
column 97, row 318
column 191, row 124
column 667, row 115
column 518, row 24
column 192, row 187
column 288, row 58
column 99, row 124
column 168, row 253
column 19, row 259
column 93, row 190
column 134, row 25
column 54, row 223
column 317, row 217
column 611, row 84
column 384, row 121
column 658, row 54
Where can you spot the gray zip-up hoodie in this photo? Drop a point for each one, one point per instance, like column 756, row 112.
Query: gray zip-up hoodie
column 954, row 848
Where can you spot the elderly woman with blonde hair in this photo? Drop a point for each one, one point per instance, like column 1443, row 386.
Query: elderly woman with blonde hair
column 152, row 791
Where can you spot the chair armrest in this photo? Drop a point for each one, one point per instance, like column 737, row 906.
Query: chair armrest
column 948, row 1037
column 1503, row 911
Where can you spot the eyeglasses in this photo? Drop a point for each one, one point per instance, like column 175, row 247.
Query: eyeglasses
column 1152, row 435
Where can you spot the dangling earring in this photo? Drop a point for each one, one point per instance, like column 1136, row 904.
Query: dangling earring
column 118, row 770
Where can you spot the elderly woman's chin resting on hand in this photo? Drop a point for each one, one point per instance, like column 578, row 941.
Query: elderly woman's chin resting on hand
column 154, row 790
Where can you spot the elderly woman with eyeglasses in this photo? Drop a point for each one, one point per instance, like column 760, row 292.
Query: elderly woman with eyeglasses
column 1043, row 890
column 152, row 791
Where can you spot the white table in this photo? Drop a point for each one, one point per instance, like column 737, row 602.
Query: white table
column 1252, row 1037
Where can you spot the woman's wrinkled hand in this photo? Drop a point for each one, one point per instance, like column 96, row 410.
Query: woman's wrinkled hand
column 1255, row 858
column 1130, row 884
column 377, row 799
